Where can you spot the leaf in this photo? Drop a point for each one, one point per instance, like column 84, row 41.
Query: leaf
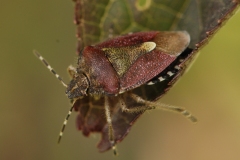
column 98, row 20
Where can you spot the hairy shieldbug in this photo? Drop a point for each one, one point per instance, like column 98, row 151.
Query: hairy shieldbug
column 121, row 78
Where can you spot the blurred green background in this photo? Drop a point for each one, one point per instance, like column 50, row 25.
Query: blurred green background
column 33, row 104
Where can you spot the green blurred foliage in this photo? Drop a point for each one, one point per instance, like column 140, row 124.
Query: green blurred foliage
column 33, row 104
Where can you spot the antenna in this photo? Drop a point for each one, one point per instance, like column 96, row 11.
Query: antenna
column 64, row 124
column 64, row 84
column 49, row 67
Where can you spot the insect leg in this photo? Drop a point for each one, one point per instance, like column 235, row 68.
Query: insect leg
column 110, row 127
column 180, row 110
column 158, row 105
column 71, row 71
column 133, row 110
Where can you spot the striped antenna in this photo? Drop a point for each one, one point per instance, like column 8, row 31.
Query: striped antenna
column 64, row 84
column 64, row 124
column 49, row 67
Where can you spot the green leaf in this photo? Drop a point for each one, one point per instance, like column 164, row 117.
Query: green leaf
column 98, row 20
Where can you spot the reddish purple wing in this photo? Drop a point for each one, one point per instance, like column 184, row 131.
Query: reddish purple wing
column 145, row 68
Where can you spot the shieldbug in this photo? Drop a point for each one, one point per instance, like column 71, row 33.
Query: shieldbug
column 123, row 77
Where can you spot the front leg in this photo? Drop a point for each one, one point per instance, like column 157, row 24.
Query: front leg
column 71, row 71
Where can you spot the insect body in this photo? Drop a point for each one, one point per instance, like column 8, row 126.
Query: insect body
column 126, row 62
column 109, row 75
